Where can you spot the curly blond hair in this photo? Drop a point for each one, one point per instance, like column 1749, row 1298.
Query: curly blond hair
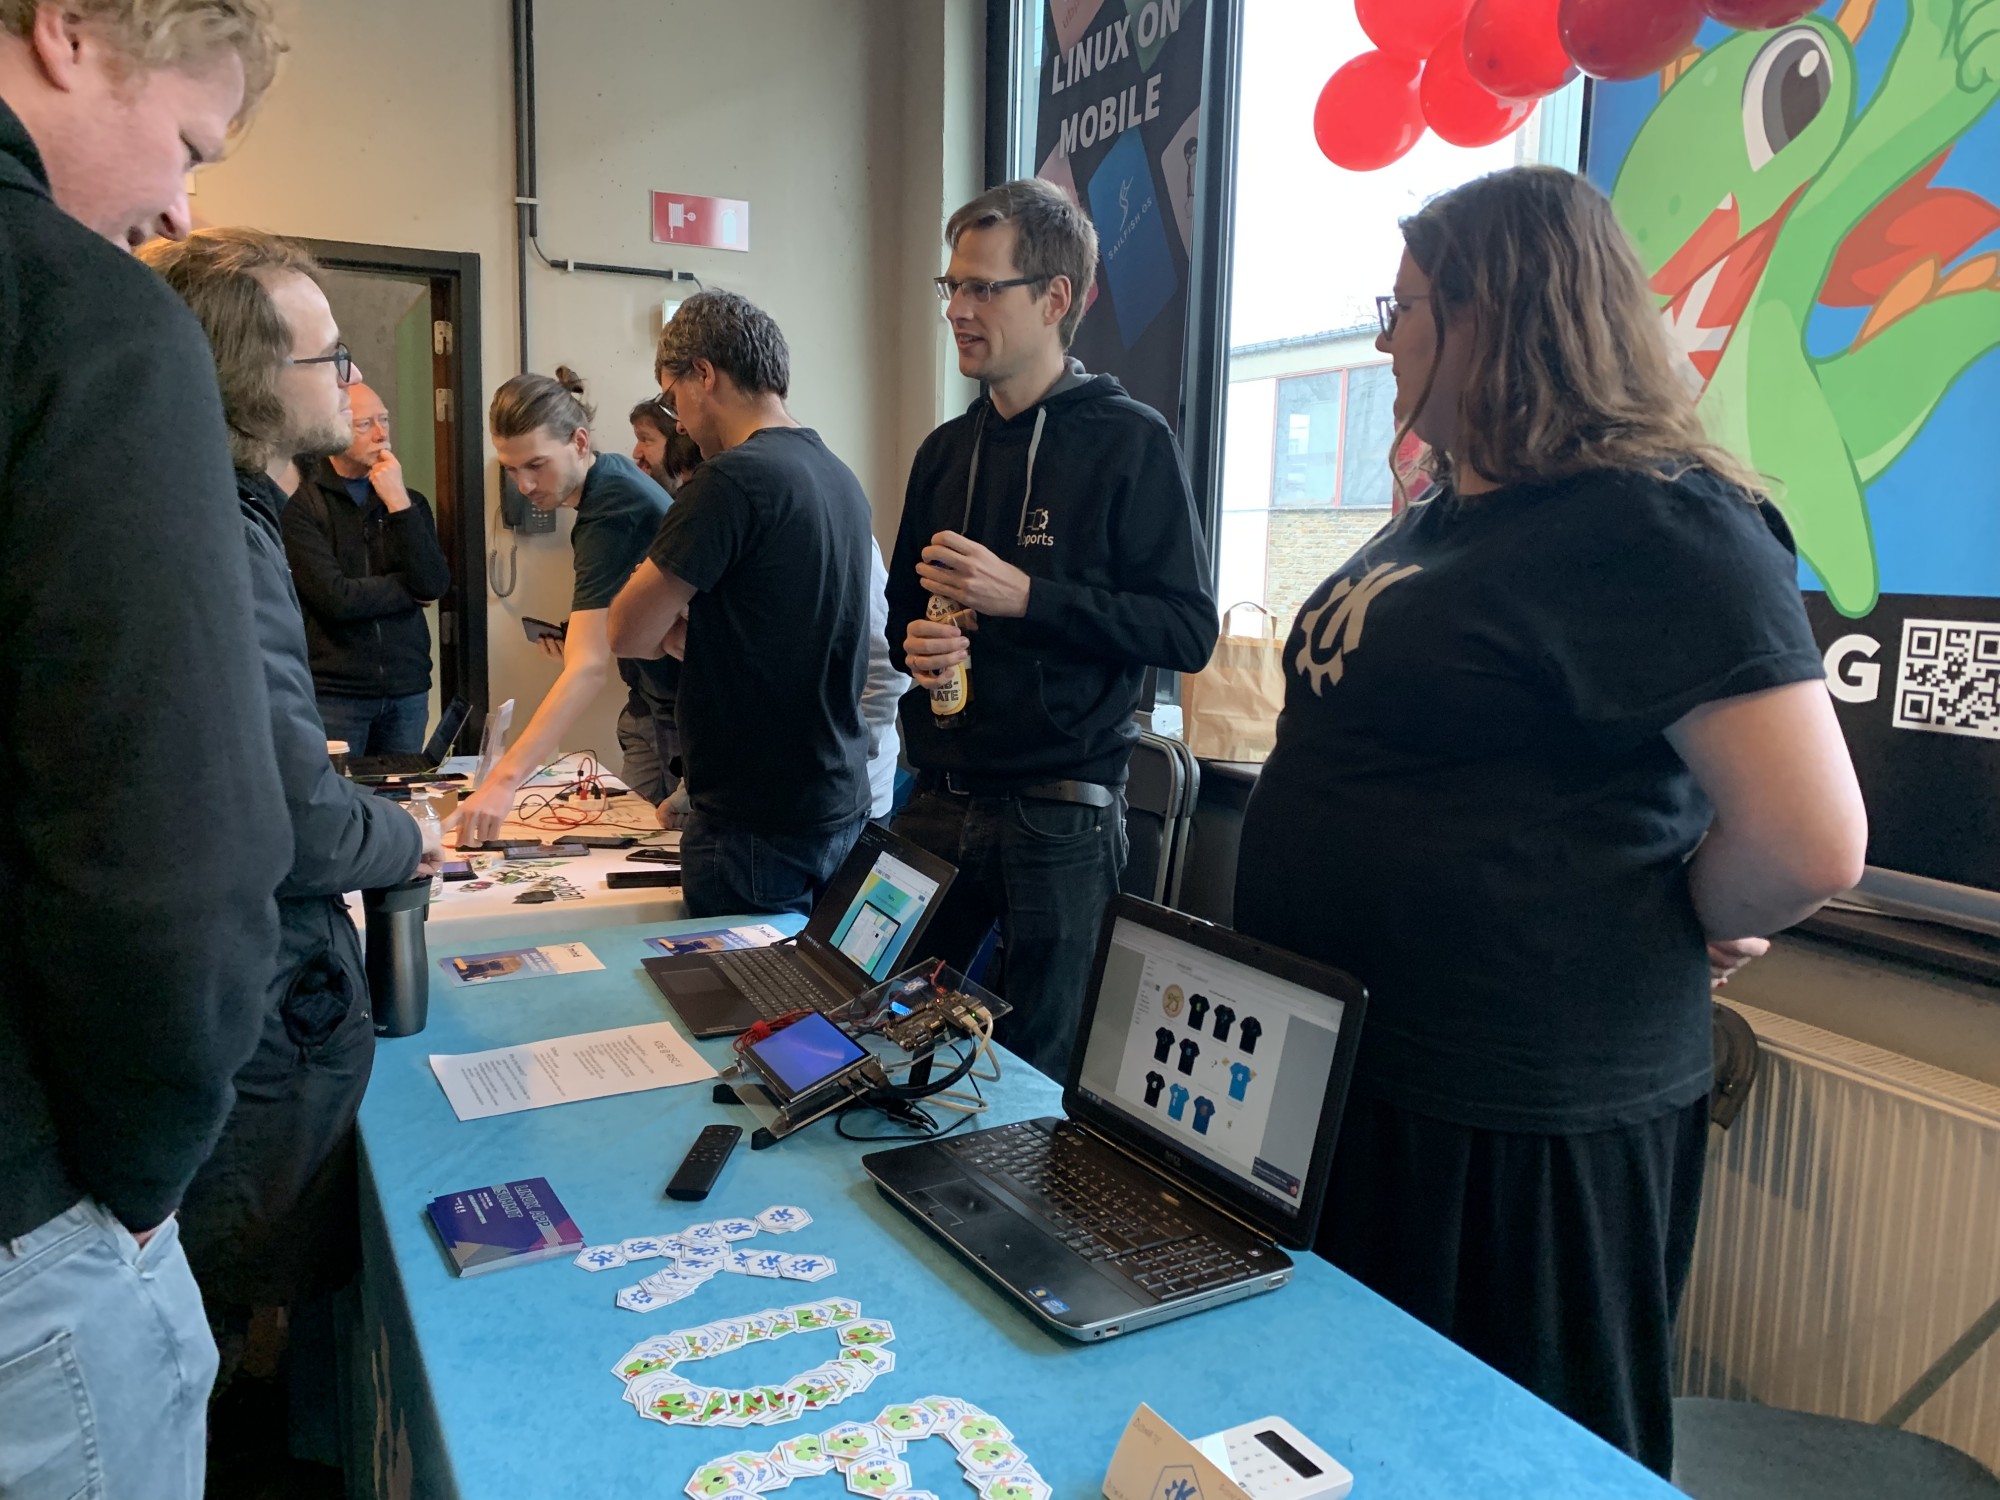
column 176, row 33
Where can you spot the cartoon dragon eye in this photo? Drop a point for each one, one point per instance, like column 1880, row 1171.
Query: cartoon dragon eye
column 1786, row 89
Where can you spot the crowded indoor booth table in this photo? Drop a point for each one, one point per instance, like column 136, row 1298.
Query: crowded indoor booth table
column 465, row 1381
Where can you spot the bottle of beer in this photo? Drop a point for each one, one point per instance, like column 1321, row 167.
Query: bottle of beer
column 952, row 698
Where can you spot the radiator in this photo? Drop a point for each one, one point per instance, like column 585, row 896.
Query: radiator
column 1849, row 1247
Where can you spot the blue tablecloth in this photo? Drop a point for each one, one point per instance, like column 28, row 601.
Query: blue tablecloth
column 502, row 1385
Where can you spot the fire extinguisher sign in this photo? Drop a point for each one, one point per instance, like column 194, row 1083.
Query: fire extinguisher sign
column 712, row 223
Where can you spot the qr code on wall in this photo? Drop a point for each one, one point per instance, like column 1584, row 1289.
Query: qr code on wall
column 1948, row 681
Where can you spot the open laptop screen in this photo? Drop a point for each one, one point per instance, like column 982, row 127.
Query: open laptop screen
column 1217, row 1059
column 450, row 722
column 875, row 905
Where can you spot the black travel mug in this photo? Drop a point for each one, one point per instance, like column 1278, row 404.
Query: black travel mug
column 399, row 978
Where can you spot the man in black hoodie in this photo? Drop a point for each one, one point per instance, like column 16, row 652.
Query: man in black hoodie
column 144, row 830
column 270, row 1218
column 1054, row 524
column 365, row 559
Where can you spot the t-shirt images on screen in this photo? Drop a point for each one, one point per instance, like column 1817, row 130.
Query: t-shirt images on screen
column 1218, row 1058
column 876, row 927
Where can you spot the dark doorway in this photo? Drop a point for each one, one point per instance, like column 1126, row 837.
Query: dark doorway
column 412, row 320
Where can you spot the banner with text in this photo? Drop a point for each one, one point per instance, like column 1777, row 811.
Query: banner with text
column 1118, row 128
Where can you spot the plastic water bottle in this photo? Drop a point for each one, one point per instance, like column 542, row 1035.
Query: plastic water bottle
column 433, row 831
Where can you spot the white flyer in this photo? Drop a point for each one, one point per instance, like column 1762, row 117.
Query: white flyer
column 594, row 1065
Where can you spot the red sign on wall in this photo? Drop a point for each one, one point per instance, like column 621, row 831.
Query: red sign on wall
column 713, row 223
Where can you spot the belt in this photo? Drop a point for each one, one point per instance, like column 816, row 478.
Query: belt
column 956, row 784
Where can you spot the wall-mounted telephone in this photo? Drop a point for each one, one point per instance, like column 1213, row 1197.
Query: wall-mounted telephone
column 518, row 514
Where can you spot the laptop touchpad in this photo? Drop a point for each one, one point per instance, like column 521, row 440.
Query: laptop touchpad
column 698, row 979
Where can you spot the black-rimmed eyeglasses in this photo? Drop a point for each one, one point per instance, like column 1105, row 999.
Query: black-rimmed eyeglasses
column 1390, row 308
column 340, row 359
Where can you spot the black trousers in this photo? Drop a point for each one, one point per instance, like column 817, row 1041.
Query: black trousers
column 1557, row 1259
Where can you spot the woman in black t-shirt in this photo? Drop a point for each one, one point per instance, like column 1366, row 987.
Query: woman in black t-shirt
column 1554, row 743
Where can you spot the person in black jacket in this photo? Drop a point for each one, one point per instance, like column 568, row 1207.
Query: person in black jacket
column 365, row 559
column 1057, row 512
column 144, row 824
column 270, row 1219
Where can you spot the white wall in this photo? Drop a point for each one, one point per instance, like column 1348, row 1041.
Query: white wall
column 852, row 126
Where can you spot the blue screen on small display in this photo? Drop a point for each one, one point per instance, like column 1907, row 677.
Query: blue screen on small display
column 806, row 1053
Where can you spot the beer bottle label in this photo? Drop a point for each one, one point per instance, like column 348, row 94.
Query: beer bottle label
column 950, row 697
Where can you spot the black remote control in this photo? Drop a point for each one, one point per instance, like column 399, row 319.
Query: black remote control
column 703, row 1163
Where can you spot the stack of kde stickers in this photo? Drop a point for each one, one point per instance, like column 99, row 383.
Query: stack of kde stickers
column 656, row 1390
column 869, row 1456
column 704, row 1250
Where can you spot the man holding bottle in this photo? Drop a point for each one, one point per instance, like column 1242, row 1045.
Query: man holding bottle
column 1049, row 553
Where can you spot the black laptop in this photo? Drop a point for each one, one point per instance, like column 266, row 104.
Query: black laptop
column 451, row 723
column 1202, row 1104
column 863, row 930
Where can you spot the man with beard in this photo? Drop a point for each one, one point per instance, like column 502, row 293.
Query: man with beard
column 270, row 1218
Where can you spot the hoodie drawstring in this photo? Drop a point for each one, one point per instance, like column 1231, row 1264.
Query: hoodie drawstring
column 972, row 474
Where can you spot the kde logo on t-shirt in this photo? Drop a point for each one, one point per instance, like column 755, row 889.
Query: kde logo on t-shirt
column 1333, row 630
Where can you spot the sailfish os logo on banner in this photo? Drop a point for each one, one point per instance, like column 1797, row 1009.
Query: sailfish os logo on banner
column 1333, row 630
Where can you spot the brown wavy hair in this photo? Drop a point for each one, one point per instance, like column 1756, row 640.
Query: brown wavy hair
column 222, row 274
column 1571, row 370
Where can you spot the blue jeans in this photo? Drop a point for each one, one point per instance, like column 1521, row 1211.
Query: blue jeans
column 105, row 1363
column 1047, row 870
column 648, row 745
column 377, row 726
column 729, row 871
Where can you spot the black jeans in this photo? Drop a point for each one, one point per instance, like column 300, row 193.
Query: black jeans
column 1047, row 870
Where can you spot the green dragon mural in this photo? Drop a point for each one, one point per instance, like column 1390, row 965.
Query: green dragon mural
column 1762, row 185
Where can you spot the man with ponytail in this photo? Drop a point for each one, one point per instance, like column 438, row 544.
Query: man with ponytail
column 541, row 432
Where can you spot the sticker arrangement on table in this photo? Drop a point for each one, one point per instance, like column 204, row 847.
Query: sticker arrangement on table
column 703, row 1251
column 656, row 1391
column 869, row 1456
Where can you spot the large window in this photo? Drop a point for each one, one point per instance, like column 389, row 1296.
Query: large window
column 1308, row 400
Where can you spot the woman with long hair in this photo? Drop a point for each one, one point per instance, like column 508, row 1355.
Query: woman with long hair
column 1556, row 755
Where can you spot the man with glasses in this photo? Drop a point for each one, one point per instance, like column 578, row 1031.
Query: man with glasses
column 759, row 580
column 365, row 559
column 270, row 1219
column 1056, row 512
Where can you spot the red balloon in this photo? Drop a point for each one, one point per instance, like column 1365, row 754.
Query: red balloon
column 1514, row 48
column 1620, row 40
column 1457, row 108
column 1370, row 112
column 1409, row 29
column 1759, row 15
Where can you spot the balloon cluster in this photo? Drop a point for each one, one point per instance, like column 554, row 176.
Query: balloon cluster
column 1471, row 70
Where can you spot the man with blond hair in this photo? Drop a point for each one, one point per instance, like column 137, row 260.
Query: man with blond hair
column 145, row 828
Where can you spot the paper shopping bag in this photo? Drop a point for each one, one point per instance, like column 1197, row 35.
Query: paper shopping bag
column 1229, row 709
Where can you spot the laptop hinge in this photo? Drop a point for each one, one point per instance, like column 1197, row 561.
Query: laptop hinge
column 1180, row 1184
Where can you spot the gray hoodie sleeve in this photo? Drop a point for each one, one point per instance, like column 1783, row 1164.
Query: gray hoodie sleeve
column 883, row 691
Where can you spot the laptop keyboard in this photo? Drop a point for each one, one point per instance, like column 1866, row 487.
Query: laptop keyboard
column 1102, row 1215
column 772, row 982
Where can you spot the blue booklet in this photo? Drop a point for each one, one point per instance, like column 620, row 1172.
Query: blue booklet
column 508, row 1224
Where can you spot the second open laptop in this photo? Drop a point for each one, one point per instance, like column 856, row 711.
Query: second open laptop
column 865, row 929
column 451, row 723
column 1203, row 1102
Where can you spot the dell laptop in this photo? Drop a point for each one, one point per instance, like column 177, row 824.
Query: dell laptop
column 1203, row 1099
column 371, row 768
column 864, row 930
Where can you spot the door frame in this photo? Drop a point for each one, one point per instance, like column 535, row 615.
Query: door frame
column 461, row 509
